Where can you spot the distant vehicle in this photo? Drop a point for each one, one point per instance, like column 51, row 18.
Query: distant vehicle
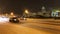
column 14, row 20
column 23, row 19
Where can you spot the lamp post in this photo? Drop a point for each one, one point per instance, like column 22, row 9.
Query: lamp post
column 12, row 14
column 26, row 11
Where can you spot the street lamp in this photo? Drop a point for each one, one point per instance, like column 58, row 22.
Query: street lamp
column 12, row 13
column 26, row 11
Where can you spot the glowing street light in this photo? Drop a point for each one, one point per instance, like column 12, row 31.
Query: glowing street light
column 12, row 13
column 26, row 11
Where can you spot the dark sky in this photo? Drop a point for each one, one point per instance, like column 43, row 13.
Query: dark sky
column 18, row 6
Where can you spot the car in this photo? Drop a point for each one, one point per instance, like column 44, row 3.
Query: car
column 14, row 20
column 23, row 19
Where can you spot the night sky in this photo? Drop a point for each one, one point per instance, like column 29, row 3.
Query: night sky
column 18, row 6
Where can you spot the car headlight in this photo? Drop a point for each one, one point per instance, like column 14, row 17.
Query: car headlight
column 4, row 19
column 14, row 19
